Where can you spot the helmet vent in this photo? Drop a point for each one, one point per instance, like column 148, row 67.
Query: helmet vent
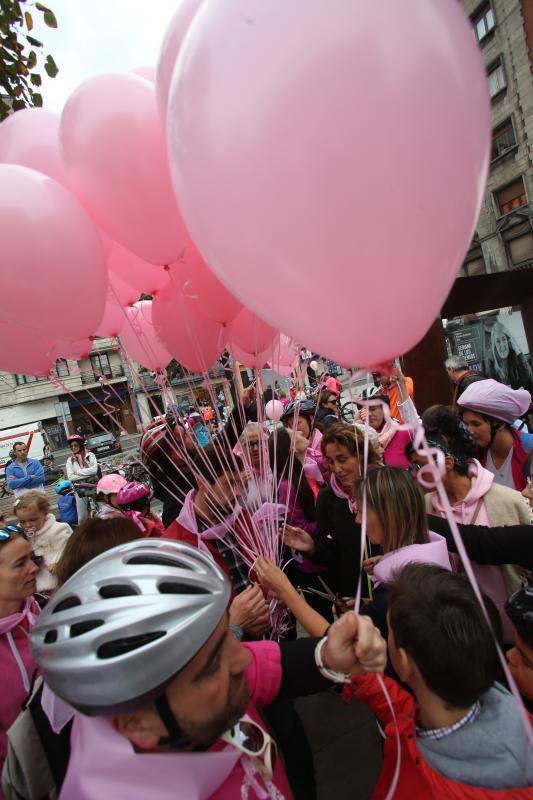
column 159, row 561
column 121, row 646
column 80, row 628
column 170, row 587
column 68, row 602
column 51, row 637
column 116, row 590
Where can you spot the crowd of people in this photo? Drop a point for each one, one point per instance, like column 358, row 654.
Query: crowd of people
column 151, row 654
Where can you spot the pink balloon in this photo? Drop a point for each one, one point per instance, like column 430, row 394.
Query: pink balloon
column 274, row 410
column 140, row 339
column 146, row 278
column 116, row 162
column 122, row 293
column 175, row 33
column 24, row 351
column 74, row 350
column 52, row 271
column 202, row 289
column 30, row 138
column 194, row 341
column 251, row 360
column 114, row 318
column 287, row 153
column 250, row 333
column 284, row 354
column 147, row 72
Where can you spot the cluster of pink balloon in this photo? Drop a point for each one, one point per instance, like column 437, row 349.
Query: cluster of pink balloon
column 249, row 193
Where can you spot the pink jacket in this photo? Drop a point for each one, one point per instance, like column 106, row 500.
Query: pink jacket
column 490, row 578
column 103, row 763
column 434, row 552
column 16, row 677
column 394, row 454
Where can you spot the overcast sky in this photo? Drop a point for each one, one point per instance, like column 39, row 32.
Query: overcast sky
column 95, row 36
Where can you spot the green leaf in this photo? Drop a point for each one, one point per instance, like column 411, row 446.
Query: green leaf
column 50, row 19
column 50, row 67
column 32, row 60
column 29, row 20
column 35, row 78
column 34, row 42
column 40, row 7
column 18, row 105
column 37, row 99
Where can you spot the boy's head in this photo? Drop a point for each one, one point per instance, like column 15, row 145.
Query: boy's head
column 519, row 609
column 218, row 477
column 438, row 635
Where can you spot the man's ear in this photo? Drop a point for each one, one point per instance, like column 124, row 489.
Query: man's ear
column 406, row 667
column 138, row 729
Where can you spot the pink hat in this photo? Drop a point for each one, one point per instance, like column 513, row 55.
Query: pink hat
column 111, row 484
column 495, row 400
column 131, row 492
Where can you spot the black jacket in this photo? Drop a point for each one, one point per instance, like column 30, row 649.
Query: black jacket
column 338, row 541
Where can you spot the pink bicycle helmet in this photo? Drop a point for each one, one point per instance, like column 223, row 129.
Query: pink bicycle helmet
column 111, row 484
column 132, row 492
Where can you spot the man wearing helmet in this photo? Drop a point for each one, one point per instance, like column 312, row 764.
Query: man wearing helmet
column 168, row 698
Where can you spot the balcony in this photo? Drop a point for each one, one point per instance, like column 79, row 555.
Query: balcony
column 149, row 383
column 89, row 376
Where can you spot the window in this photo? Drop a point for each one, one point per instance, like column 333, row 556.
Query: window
column 521, row 248
column 484, row 22
column 24, row 379
column 474, row 267
column 496, row 79
column 62, row 368
column 511, row 197
column 503, row 139
column 101, row 365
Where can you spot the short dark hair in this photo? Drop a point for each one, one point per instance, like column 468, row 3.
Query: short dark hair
column 19, row 444
column 215, row 459
column 436, row 618
column 91, row 538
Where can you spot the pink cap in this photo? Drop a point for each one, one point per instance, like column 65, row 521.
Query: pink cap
column 111, row 484
column 131, row 492
column 495, row 400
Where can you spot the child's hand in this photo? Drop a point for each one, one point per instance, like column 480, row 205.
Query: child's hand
column 370, row 563
column 355, row 645
column 270, row 576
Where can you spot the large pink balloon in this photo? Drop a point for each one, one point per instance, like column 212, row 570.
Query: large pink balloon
column 175, row 33
column 290, row 153
column 140, row 339
column 121, row 292
column 194, row 341
column 24, row 351
column 251, row 360
column 116, row 162
column 114, row 318
column 30, row 138
column 202, row 289
column 250, row 333
column 73, row 350
column 147, row 72
column 146, row 278
column 53, row 276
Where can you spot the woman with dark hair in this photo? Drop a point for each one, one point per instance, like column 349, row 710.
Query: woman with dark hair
column 489, row 409
column 474, row 497
column 81, row 467
column 300, row 417
column 327, row 412
column 392, row 440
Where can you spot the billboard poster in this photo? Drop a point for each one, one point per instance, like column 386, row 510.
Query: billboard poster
column 494, row 345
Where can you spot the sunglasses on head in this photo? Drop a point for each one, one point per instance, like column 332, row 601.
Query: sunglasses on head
column 6, row 533
column 250, row 738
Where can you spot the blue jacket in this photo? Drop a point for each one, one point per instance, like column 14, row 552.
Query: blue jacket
column 16, row 479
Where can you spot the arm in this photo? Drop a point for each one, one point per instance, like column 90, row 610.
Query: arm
column 367, row 690
column 235, row 422
column 88, row 472
column 274, row 579
column 38, row 474
column 18, row 483
column 510, row 544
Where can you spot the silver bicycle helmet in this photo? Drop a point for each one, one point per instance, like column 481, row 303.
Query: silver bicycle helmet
column 114, row 635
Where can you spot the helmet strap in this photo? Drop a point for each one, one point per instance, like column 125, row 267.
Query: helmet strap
column 176, row 739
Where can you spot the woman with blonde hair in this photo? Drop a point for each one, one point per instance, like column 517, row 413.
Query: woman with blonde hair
column 505, row 362
column 46, row 535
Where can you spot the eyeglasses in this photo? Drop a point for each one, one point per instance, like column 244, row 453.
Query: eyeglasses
column 250, row 738
column 6, row 533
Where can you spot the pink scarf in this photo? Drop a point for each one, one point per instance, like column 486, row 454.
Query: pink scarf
column 314, row 457
column 136, row 518
column 80, row 458
column 30, row 611
column 339, row 491
column 187, row 518
column 387, row 433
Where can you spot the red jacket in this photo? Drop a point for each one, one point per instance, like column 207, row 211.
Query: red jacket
column 417, row 781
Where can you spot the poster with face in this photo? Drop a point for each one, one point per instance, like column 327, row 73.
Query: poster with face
column 496, row 346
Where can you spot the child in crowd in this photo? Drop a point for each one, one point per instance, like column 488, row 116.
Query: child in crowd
column 107, row 490
column 46, row 535
column 133, row 501
column 462, row 734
